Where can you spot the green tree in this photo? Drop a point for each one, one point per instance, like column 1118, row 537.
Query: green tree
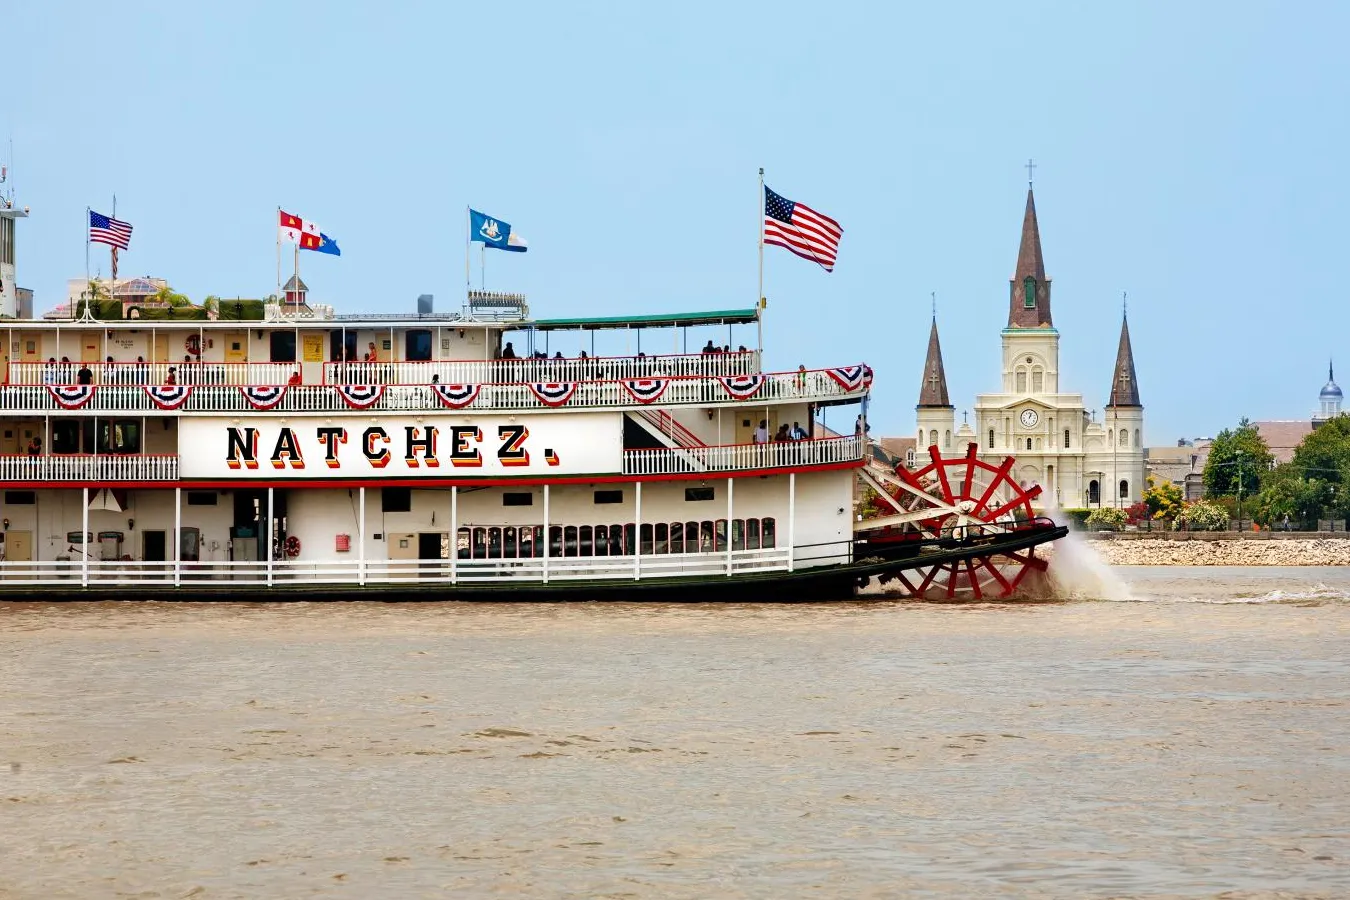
column 1237, row 453
column 1288, row 492
column 1163, row 499
column 174, row 299
column 1324, row 455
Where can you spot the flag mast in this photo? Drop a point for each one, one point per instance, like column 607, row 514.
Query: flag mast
column 88, row 285
column 759, row 298
column 278, row 294
column 468, row 284
column 113, row 285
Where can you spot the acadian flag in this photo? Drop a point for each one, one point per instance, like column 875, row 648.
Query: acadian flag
column 494, row 233
column 305, row 233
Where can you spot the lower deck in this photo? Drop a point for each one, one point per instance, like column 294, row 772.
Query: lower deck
column 320, row 537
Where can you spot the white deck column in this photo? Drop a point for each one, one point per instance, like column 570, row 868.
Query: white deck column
column 271, row 518
column 731, row 519
column 792, row 519
column 546, row 539
column 177, row 536
column 637, row 534
column 454, row 535
column 84, row 538
column 361, row 536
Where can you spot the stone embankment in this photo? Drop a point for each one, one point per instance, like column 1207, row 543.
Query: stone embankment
column 1221, row 549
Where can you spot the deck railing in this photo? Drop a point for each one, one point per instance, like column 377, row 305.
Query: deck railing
column 143, row 373
column 600, row 368
column 809, row 386
column 741, row 457
column 87, row 467
column 73, row 571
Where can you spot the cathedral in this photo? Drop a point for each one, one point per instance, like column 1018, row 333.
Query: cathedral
column 1077, row 460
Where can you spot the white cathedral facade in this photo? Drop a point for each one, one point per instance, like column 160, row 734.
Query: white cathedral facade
column 1077, row 461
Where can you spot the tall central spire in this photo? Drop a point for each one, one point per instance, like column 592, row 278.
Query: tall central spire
column 1029, row 297
column 933, row 390
column 1124, row 383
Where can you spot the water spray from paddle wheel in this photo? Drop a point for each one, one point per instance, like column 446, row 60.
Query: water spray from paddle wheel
column 965, row 501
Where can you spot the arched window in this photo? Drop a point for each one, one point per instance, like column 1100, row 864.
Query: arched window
column 947, row 439
column 1066, row 439
column 1029, row 293
column 1094, row 492
column 909, row 457
column 1137, row 443
column 1021, row 382
column 991, row 439
column 932, row 438
column 1124, row 438
column 1124, row 489
column 1037, row 380
column 1028, row 443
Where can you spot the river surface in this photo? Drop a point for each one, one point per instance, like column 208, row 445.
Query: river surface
column 1191, row 742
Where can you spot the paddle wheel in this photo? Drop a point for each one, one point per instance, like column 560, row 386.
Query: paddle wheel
column 954, row 504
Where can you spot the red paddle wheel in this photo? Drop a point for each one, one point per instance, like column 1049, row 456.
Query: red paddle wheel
column 966, row 501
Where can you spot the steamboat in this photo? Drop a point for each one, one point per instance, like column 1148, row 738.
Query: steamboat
column 274, row 450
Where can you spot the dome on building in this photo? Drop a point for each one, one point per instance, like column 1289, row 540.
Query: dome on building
column 1331, row 391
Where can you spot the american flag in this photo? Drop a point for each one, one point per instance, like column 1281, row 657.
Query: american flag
column 801, row 229
column 107, row 230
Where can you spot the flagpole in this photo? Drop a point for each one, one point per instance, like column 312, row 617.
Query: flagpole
column 297, row 274
column 88, row 287
column 759, row 299
column 113, row 285
column 278, row 294
column 468, row 224
column 482, row 268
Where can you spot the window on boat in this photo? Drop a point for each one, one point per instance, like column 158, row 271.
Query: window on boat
column 661, row 536
column 462, row 543
column 609, row 496
column 586, row 537
column 705, row 537
column 494, row 543
column 602, row 540
column 417, row 345
column 690, row 537
column 510, row 548
column 616, row 540
column 769, row 529
column 282, row 346
column 66, row 435
column 738, row 534
column 752, row 534
column 480, row 543
column 676, row 537
column 342, row 345
column 700, row 493
column 20, row 498
column 119, row 436
column 570, row 543
column 518, row 498
column 646, row 532
column 395, row 499
column 201, row 498
column 629, row 538
column 721, row 544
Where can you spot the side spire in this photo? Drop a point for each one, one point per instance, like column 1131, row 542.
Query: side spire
column 1124, row 384
column 1029, row 304
column 933, row 389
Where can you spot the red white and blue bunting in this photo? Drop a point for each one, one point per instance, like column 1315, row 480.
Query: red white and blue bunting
column 742, row 387
column 850, row 378
column 168, row 396
column 71, row 396
column 263, row 396
column 867, row 376
column 554, row 394
column 456, row 396
column 361, row 396
column 646, row 390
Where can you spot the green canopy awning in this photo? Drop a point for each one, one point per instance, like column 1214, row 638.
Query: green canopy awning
column 667, row 320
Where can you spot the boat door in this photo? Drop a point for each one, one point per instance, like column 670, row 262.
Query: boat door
column 90, row 346
column 748, row 420
column 236, row 346
column 161, row 354
column 18, row 546
column 29, row 350
column 9, row 440
column 4, row 361
column 154, row 546
column 431, row 545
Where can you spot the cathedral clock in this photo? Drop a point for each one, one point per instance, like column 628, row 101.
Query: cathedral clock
column 1028, row 418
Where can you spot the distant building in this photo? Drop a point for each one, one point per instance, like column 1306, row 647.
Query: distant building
column 1329, row 400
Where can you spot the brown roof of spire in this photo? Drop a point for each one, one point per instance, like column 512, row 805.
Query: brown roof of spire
column 933, row 388
column 1030, row 264
column 1124, row 384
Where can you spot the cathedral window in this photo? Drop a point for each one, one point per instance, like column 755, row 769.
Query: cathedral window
column 932, row 438
column 947, row 440
column 1137, row 444
column 1066, row 439
column 991, row 439
column 1094, row 492
column 1021, row 381
column 1037, row 381
column 1028, row 443
column 1124, row 489
column 1029, row 293
column 1124, row 438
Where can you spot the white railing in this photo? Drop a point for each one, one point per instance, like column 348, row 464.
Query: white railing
column 142, row 373
column 601, row 368
column 82, row 467
column 806, row 387
column 739, row 457
column 69, row 573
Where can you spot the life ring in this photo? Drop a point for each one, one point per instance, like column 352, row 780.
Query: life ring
column 193, row 344
column 292, row 546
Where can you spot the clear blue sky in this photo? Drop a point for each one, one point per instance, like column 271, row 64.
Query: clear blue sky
column 1192, row 154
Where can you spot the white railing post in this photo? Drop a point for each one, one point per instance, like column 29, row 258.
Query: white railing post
column 731, row 520
column 361, row 536
column 84, row 539
column 792, row 519
column 546, row 537
column 454, row 535
column 271, row 524
column 637, row 533
column 177, row 536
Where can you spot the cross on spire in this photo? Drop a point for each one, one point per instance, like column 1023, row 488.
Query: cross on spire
column 933, row 378
column 1030, row 167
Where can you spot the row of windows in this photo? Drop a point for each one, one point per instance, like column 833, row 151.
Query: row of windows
column 1124, row 438
column 399, row 499
column 1095, row 490
column 657, row 538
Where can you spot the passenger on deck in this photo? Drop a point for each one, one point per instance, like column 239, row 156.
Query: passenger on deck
column 295, row 378
column 172, row 377
column 508, row 352
column 762, row 433
column 709, row 348
column 85, row 375
column 558, row 355
column 781, row 435
column 798, row 432
column 35, row 446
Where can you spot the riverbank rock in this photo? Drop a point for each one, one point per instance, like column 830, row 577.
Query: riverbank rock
column 1312, row 552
